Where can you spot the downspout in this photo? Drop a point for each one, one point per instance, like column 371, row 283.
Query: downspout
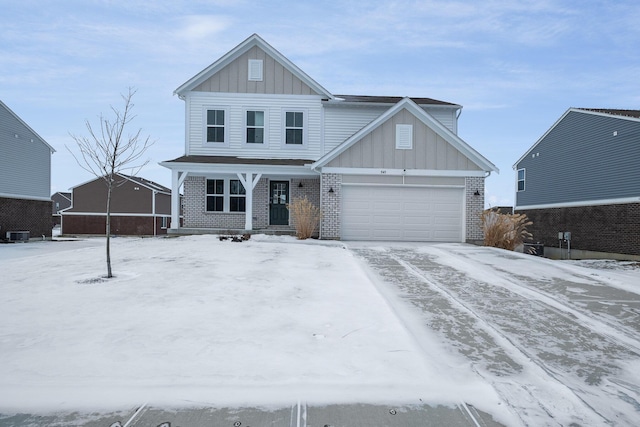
column 153, row 212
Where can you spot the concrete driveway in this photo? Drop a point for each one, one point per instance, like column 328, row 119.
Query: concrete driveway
column 558, row 342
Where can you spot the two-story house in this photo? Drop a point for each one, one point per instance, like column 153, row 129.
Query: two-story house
column 583, row 177
column 25, row 177
column 138, row 207
column 260, row 132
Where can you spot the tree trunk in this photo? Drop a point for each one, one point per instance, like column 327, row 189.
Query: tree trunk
column 108, row 231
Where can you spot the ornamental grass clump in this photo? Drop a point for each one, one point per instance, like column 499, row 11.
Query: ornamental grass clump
column 305, row 216
column 505, row 231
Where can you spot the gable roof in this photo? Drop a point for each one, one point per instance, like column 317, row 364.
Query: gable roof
column 631, row 115
column 391, row 100
column 41, row 139
column 136, row 180
column 425, row 118
column 253, row 40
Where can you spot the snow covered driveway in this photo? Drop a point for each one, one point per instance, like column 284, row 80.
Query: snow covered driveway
column 559, row 342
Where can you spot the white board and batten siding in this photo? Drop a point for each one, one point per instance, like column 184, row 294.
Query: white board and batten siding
column 235, row 106
column 402, row 213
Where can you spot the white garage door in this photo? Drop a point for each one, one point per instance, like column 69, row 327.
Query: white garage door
column 402, row 213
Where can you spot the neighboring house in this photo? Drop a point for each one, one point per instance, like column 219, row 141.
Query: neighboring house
column 260, row 133
column 583, row 176
column 138, row 207
column 25, row 177
column 59, row 201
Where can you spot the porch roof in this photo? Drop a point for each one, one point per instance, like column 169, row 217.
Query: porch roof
column 230, row 164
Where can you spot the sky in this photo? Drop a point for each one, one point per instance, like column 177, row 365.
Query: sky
column 514, row 66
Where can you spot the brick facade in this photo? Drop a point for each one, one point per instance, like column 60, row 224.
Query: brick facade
column 474, row 208
column 605, row 228
column 330, row 205
column 120, row 225
column 195, row 215
column 25, row 215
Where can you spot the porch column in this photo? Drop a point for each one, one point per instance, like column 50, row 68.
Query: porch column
column 249, row 182
column 177, row 178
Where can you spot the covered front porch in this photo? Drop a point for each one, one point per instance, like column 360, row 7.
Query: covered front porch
column 237, row 195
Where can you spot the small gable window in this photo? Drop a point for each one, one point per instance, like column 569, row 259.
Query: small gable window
column 215, row 126
column 294, row 127
column 404, row 137
column 255, row 70
column 521, row 176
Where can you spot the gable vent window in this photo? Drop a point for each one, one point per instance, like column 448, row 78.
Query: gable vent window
column 404, row 137
column 255, row 70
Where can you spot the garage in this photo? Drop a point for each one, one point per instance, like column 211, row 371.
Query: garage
column 402, row 213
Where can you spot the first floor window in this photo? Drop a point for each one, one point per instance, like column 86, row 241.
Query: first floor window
column 215, row 126
column 294, row 127
column 215, row 195
column 165, row 222
column 255, row 127
column 520, row 179
column 237, row 196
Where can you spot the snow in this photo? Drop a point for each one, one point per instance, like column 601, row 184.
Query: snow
column 193, row 319
column 273, row 320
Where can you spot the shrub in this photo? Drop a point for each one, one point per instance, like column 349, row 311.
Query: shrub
column 506, row 231
column 305, row 216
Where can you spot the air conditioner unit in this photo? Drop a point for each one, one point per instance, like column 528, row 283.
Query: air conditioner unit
column 18, row 236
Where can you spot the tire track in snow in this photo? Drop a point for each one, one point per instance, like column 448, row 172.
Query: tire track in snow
column 565, row 343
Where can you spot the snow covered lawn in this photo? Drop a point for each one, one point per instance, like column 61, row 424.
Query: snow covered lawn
column 193, row 320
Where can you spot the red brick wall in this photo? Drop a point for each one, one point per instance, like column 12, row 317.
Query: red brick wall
column 120, row 225
column 606, row 228
column 25, row 215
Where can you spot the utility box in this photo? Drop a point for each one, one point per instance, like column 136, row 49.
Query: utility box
column 536, row 249
column 18, row 236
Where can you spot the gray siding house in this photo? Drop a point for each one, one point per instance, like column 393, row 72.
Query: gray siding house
column 25, row 177
column 260, row 133
column 583, row 176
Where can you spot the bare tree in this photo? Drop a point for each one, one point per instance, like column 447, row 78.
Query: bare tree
column 107, row 151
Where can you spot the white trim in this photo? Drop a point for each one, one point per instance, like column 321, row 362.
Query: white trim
column 205, row 125
column 265, row 127
column 621, row 201
column 23, row 197
column 524, row 180
column 305, row 128
column 405, row 172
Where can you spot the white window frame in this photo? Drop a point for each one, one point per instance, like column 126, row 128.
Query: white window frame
column 205, row 126
column 255, row 70
column 238, row 195
column 265, row 128
column 164, row 223
column 226, row 196
column 305, row 127
column 523, row 180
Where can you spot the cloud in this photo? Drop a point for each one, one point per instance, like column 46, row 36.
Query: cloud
column 195, row 28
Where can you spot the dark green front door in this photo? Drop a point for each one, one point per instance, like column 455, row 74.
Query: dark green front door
column 278, row 212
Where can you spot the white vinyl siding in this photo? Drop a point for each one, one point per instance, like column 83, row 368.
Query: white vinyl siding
column 236, row 106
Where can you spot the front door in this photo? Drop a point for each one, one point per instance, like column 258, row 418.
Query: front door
column 278, row 212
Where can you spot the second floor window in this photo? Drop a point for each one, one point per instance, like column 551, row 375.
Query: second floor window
column 215, row 126
column 521, row 179
column 294, row 127
column 255, row 127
